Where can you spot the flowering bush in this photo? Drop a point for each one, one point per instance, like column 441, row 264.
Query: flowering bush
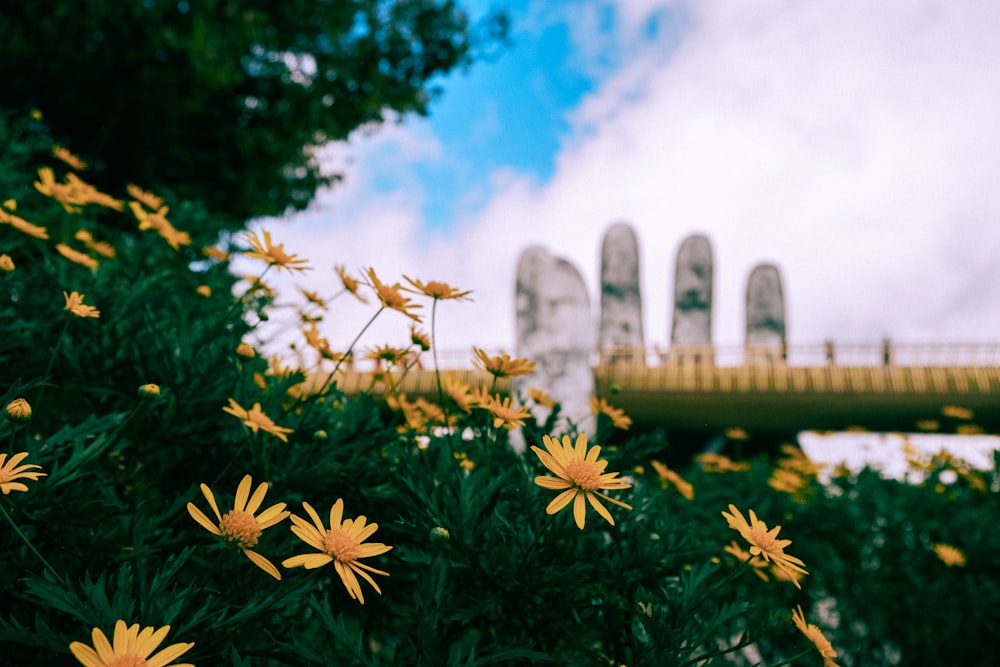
column 159, row 472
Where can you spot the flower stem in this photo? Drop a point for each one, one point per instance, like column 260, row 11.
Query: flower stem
column 52, row 361
column 31, row 547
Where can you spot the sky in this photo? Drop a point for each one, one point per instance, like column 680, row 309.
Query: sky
column 856, row 145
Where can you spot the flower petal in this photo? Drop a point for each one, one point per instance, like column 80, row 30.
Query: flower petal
column 263, row 563
column 200, row 517
column 243, row 493
column 580, row 510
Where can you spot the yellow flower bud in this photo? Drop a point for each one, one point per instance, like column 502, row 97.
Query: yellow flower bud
column 245, row 351
column 6, row 263
column 149, row 390
column 439, row 534
column 204, row 290
column 18, row 411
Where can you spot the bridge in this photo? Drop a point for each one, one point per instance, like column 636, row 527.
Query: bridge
column 700, row 391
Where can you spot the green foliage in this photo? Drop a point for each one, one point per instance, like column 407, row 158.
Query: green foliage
column 479, row 573
column 218, row 101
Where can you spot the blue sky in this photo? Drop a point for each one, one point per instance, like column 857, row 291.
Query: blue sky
column 854, row 145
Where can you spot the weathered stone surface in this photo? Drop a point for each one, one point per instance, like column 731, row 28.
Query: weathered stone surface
column 555, row 330
column 619, row 335
column 765, row 314
column 692, row 322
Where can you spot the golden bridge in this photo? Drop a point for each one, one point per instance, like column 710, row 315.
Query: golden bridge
column 775, row 392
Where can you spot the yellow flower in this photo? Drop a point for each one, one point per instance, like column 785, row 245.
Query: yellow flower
column 949, row 555
column 736, row 433
column 387, row 353
column 815, row 635
column 419, row 338
column 341, row 544
column 764, row 543
column 717, row 463
column 505, row 414
column 77, row 256
column 102, row 248
column 458, row 391
column 67, row 157
column 23, row 225
column 502, row 366
column 789, row 481
column 274, row 255
column 618, row 418
column 131, row 648
column 215, row 253
column 204, row 290
column 436, row 290
column 390, row 296
column 669, row 476
column 540, row 397
column 149, row 390
column 256, row 419
column 956, row 412
column 10, row 471
column 6, row 263
column 75, row 305
column 242, row 526
column 147, row 199
column 580, row 477
column 350, row 283
column 158, row 222
column 245, row 351
column 756, row 563
column 18, row 411
column 313, row 298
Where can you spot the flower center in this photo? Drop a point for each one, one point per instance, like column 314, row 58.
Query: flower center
column 128, row 660
column 341, row 546
column 391, row 297
column 584, row 474
column 240, row 529
column 765, row 542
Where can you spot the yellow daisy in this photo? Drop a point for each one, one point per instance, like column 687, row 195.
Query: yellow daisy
column 502, row 366
column 390, row 296
column 6, row 263
column 436, row 290
column 313, row 298
column 75, row 305
column 541, row 398
column 11, row 471
column 131, row 647
column 23, row 225
column 505, row 414
column 764, row 542
column 580, row 477
column 67, row 157
column 349, row 282
column 341, row 544
column 18, row 411
column 242, row 527
column 718, row 463
column 256, row 419
column 420, row 339
column 600, row 406
column 668, row 476
column 274, row 255
column 815, row 635
column 146, row 198
column 76, row 256
column 949, row 555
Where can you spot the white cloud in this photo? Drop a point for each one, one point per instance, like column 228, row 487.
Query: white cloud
column 853, row 144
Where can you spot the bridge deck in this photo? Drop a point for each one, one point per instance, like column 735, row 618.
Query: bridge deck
column 768, row 397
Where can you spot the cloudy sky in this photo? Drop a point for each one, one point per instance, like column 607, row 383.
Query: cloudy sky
column 854, row 144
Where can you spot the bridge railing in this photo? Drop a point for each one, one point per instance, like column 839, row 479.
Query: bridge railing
column 885, row 353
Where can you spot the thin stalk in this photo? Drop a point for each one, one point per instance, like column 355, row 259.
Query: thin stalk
column 31, row 547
